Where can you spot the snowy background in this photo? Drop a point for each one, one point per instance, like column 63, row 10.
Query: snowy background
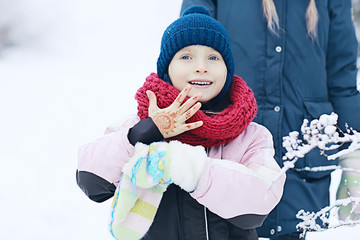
column 69, row 68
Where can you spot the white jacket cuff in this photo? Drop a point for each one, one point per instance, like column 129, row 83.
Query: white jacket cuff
column 187, row 164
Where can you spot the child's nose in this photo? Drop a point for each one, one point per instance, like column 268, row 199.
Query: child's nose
column 201, row 67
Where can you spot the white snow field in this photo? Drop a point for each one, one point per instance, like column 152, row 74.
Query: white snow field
column 70, row 69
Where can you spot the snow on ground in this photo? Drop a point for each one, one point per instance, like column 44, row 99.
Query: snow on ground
column 72, row 70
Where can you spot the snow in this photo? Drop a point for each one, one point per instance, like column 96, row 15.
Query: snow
column 70, row 69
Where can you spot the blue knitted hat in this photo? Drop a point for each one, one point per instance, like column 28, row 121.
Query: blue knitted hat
column 195, row 27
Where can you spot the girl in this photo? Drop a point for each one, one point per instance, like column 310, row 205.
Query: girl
column 191, row 164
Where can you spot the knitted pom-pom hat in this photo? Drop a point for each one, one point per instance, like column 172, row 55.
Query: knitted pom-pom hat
column 195, row 27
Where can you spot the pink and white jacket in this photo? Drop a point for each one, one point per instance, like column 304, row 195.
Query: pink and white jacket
column 239, row 178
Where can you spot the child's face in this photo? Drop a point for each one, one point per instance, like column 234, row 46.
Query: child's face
column 202, row 67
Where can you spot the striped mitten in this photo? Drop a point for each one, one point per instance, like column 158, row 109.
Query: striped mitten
column 144, row 180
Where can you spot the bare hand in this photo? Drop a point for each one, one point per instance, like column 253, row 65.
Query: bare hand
column 171, row 121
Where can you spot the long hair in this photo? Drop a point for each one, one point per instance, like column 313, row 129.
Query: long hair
column 272, row 18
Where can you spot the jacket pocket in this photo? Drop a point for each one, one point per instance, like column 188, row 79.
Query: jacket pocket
column 316, row 109
column 314, row 159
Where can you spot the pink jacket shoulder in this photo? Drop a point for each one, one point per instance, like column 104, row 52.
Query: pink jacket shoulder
column 106, row 156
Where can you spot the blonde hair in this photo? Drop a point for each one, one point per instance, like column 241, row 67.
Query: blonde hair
column 272, row 18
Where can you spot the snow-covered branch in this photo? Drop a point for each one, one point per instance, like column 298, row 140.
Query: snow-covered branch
column 311, row 221
column 324, row 134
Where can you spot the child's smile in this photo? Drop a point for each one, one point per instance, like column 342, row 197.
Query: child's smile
column 200, row 83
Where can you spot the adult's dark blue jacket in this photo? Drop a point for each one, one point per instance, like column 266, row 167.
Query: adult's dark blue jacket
column 294, row 77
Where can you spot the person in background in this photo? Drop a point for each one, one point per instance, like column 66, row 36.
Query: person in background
column 299, row 58
column 191, row 164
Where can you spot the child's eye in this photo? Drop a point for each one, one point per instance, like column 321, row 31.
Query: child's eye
column 185, row 57
column 214, row 58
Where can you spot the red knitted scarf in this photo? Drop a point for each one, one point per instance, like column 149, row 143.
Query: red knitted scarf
column 217, row 129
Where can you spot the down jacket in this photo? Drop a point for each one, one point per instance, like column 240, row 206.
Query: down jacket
column 238, row 186
column 293, row 78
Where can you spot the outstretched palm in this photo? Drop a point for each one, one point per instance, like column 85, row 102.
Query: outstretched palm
column 171, row 121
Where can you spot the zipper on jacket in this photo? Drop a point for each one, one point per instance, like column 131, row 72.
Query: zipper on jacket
column 205, row 214
column 206, row 224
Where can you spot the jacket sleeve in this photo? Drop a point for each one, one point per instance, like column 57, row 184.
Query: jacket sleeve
column 341, row 64
column 145, row 132
column 208, row 4
column 245, row 184
column 100, row 162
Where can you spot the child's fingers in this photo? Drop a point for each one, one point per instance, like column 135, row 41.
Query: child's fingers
column 191, row 126
column 189, row 103
column 152, row 102
column 182, row 95
column 189, row 113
